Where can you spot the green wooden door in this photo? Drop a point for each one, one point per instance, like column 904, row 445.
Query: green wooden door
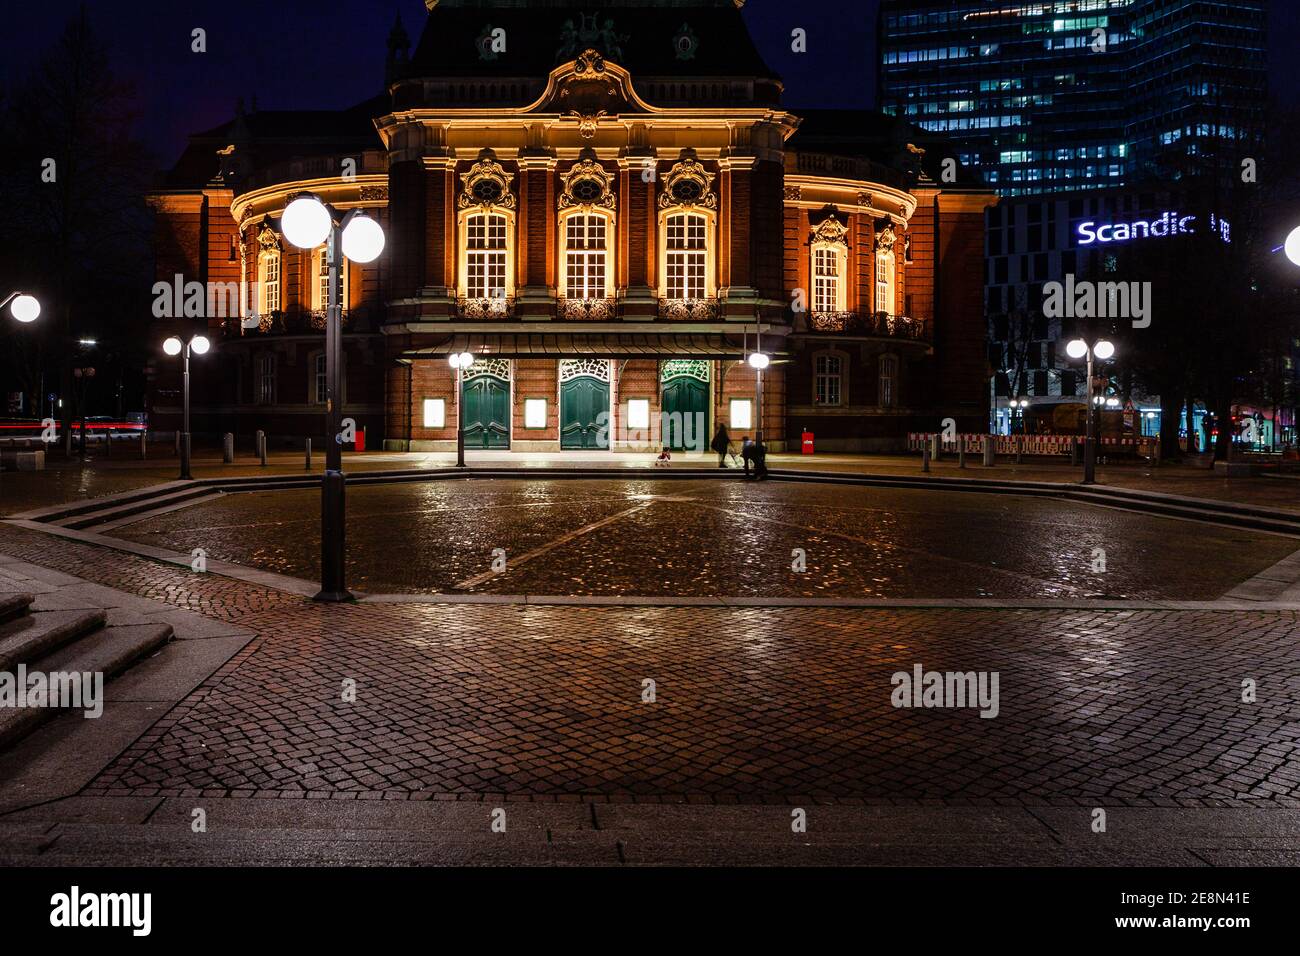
column 487, row 412
column 686, row 414
column 582, row 400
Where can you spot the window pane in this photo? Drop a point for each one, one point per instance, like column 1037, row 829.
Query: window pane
column 742, row 413
column 534, row 413
column 638, row 413
column 435, row 413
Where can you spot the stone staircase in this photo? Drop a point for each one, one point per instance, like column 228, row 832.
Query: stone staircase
column 64, row 641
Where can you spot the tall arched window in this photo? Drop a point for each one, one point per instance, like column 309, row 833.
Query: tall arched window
column 830, row 266
column 487, row 231
column 486, row 273
column 587, row 207
column 884, row 299
column 320, row 288
column 686, row 256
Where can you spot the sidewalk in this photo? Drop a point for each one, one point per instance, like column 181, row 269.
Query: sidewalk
column 65, row 481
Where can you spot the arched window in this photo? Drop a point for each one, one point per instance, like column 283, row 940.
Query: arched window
column 320, row 287
column 486, row 275
column 686, row 256
column 587, row 207
column 268, row 281
column 487, row 232
column 586, row 256
column 888, row 392
column 830, row 266
column 885, row 282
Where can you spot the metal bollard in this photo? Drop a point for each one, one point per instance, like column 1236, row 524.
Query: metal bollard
column 178, row 444
column 936, row 454
column 1020, row 449
column 961, row 451
column 1074, row 450
column 108, row 444
column 228, row 448
column 990, row 452
column 144, row 445
column 925, row 456
column 307, row 462
column 261, row 445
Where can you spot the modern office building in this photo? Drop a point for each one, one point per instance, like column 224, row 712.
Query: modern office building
column 610, row 213
column 1066, row 95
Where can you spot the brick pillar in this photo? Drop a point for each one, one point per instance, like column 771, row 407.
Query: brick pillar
column 638, row 222
column 535, row 269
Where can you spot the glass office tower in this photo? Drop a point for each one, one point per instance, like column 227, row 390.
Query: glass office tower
column 1063, row 95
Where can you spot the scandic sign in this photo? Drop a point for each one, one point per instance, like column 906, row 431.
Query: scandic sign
column 1163, row 226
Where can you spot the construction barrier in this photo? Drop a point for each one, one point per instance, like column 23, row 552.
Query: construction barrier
column 1037, row 445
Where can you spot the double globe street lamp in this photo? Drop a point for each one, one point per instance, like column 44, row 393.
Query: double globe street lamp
column 198, row 345
column 1100, row 350
column 460, row 361
column 308, row 222
column 23, row 307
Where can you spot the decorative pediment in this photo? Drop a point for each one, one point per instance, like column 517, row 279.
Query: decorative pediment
column 886, row 238
column 688, row 183
column 268, row 240
column 486, row 184
column 588, row 89
column 588, row 185
column 831, row 230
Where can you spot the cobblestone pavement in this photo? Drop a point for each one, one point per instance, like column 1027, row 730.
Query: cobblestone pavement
column 751, row 705
column 704, row 538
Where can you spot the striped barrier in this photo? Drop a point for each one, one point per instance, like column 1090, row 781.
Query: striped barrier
column 1037, row 445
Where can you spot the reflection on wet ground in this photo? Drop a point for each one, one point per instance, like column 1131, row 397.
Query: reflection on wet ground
column 701, row 538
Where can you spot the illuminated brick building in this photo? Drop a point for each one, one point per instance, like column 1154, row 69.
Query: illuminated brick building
column 610, row 213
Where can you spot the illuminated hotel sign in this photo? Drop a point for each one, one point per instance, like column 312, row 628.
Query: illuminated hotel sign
column 1163, row 226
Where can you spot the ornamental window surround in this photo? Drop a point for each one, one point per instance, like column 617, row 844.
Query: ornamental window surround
column 320, row 289
column 587, row 222
column 688, row 232
column 486, row 222
column 268, row 272
column 885, row 265
column 830, row 254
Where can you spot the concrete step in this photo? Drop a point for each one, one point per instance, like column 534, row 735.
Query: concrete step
column 31, row 636
column 15, row 604
column 107, row 651
column 137, row 505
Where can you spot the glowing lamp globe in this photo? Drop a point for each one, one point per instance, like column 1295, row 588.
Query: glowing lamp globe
column 25, row 308
column 1293, row 246
column 363, row 239
column 466, row 359
column 199, row 345
column 306, row 222
column 759, row 361
column 1103, row 349
column 173, row 346
column 1077, row 348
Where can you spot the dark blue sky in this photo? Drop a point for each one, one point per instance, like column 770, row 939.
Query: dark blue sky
column 327, row 53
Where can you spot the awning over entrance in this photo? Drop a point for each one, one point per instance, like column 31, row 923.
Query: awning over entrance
column 595, row 345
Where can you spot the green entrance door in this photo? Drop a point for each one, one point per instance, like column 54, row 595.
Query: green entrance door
column 685, row 412
column 487, row 412
column 582, row 400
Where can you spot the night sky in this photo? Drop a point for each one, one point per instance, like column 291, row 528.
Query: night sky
column 302, row 54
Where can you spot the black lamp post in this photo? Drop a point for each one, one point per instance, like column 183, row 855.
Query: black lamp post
column 199, row 345
column 1103, row 350
column 307, row 222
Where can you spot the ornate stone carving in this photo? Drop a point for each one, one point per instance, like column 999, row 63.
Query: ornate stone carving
column 864, row 199
column 496, row 367
column 831, row 230
column 793, row 192
column 885, row 238
column 486, row 184
column 688, row 183
column 587, row 122
column 588, row 185
column 591, row 34
column 685, row 368
column 268, row 239
column 686, row 43
column 374, row 193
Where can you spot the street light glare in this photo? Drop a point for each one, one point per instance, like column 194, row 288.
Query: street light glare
column 199, row 345
column 758, row 360
column 1293, row 246
column 363, row 239
column 466, row 359
column 25, row 308
column 1103, row 349
column 1077, row 348
column 173, row 346
column 306, row 222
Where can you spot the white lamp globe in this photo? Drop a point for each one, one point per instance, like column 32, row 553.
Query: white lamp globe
column 758, row 360
column 25, row 308
column 173, row 346
column 199, row 345
column 466, row 359
column 1103, row 349
column 363, row 239
column 1076, row 348
column 1293, row 246
column 306, row 222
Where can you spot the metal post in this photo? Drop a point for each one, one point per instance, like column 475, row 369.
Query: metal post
column 333, row 541
column 307, row 462
column 758, row 429
column 1089, row 446
column 228, row 448
column 1020, row 449
column 460, row 418
column 990, row 451
column 261, row 446
column 961, row 451
column 925, row 455
column 144, row 444
column 185, row 428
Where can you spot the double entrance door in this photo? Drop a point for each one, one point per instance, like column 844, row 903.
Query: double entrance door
column 487, row 412
column 584, row 405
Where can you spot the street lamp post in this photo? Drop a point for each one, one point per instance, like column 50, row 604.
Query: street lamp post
column 307, row 223
column 460, row 361
column 759, row 361
column 199, row 345
column 23, row 307
column 1103, row 350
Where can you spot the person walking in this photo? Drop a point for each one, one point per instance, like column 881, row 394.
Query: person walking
column 721, row 444
column 756, row 454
